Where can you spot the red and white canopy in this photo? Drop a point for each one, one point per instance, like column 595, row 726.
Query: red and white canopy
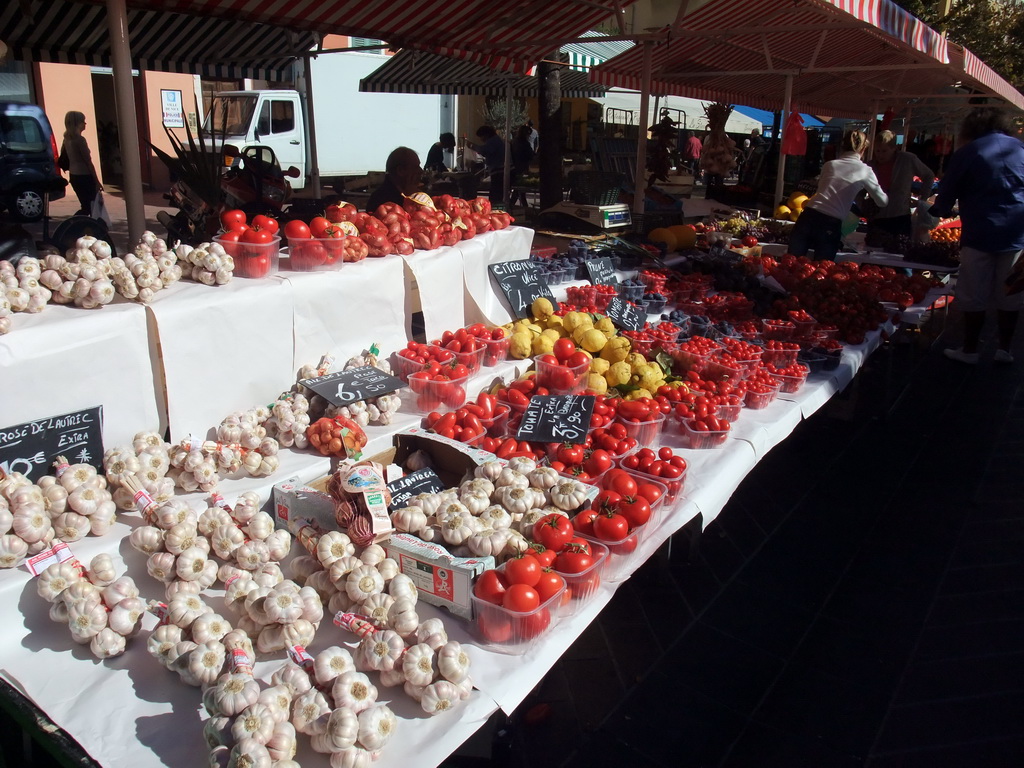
column 847, row 57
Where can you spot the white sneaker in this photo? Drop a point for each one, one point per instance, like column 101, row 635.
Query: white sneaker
column 1002, row 356
column 958, row 354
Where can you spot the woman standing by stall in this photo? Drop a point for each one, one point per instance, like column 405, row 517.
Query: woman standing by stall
column 84, row 179
column 895, row 171
column 820, row 225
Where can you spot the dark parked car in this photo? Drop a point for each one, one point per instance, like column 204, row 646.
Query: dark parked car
column 28, row 161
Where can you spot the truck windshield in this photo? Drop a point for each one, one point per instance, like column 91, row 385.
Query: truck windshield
column 239, row 111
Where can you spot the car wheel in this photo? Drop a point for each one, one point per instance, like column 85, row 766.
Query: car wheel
column 28, row 205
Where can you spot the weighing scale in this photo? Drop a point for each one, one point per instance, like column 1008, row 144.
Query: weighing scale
column 590, row 219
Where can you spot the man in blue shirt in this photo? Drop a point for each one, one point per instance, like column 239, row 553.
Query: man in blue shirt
column 986, row 177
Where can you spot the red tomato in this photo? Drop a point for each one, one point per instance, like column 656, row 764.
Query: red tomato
column 636, row 509
column 620, row 481
column 257, row 237
column 318, row 226
column 550, row 582
column 297, row 230
column 570, row 453
column 578, row 358
column 584, row 521
column 599, row 461
column 491, row 586
column 522, row 598
column 495, row 626
column 749, row 241
column 563, row 349
column 545, row 556
column 575, row 559
column 649, row 491
column 611, row 527
column 554, row 531
column 231, row 219
column 265, row 222
column 523, row 570
column 526, row 627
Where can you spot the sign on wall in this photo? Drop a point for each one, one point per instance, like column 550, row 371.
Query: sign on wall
column 171, row 105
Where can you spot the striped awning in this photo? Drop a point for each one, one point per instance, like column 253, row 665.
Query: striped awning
column 414, row 71
column 847, row 56
column 66, row 32
column 584, row 55
column 506, row 36
column 984, row 78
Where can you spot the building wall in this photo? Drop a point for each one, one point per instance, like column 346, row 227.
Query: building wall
column 63, row 88
column 153, row 83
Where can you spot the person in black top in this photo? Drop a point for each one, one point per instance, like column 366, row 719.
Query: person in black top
column 522, row 156
column 404, row 177
column 435, row 155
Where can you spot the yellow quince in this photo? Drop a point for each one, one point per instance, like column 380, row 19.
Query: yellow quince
column 618, row 374
column 542, row 308
column 616, row 350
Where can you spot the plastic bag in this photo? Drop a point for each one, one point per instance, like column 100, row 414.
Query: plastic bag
column 794, row 137
column 99, row 210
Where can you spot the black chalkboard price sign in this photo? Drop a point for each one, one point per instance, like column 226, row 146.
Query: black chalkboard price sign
column 421, row 481
column 31, row 448
column 627, row 316
column 601, row 271
column 557, row 418
column 353, row 385
column 521, row 282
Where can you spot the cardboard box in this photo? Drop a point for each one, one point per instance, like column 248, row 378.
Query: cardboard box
column 294, row 500
column 442, row 579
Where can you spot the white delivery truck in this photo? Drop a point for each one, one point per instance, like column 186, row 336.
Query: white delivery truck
column 355, row 132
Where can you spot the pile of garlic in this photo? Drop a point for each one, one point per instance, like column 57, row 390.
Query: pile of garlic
column 20, row 290
column 99, row 609
column 82, row 276
column 493, row 514
column 150, row 267
column 373, row 411
column 68, row 507
column 207, row 263
column 148, row 460
column 289, row 418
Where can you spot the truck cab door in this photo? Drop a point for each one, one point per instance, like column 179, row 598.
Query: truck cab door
column 279, row 126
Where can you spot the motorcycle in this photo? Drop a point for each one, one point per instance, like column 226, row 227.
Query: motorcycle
column 252, row 181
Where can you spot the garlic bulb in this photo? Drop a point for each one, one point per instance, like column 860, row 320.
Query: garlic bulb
column 107, row 643
column 354, row 691
column 55, row 579
column 330, row 663
column 440, row 697
column 310, row 712
column 101, row 570
column 376, row 727
column 124, row 617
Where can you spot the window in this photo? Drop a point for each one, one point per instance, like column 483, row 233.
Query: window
column 362, row 42
column 22, row 134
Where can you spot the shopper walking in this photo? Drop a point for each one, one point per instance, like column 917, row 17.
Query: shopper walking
column 492, row 150
column 820, row 225
column 895, row 171
column 84, row 179
column 692, row 148
column 986, row 177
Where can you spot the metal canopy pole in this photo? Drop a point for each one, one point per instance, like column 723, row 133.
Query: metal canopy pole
column 127, row 125
column 872, row 128
column 640, row 175
column 780, row 175
column 314, row 161
column 508, row 143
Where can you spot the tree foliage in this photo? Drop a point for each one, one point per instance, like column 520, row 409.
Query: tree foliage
column 993, row 30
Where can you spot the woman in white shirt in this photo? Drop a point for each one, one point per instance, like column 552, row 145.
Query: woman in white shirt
column 820, row 225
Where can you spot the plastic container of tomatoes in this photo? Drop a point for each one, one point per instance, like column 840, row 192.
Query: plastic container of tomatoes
column 503, row 630
column 672, row 485
column 472, row 360
column 701, row 440
column 582, row 586
column 730, row 410
column 790, row 384
column 254, row 260
column 561, row 379
column 780, row 358
column 496, row 350
column 717, row 369
column 424, row 396
column 497, row 425
column 623, row 557
column 833, row 357
column 403, row 366
column 780, row 330
column 315, row 255
column 755, row 401
column 644, row 432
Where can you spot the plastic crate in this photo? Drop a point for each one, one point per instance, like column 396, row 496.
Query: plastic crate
column 594, row 187
column 580, row 587
column 514, row 632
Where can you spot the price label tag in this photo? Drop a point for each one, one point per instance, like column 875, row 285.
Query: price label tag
column 601, row 271
column 625, row 315
column 31, row 448
column 557, row 418
column 521, row 283
column 421, row 481
column 353, row 385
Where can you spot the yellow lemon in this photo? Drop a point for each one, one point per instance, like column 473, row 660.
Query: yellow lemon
column 599, row 365
column 663, row 235
column 597, row 383
column 783, row 212
column 543, row 345
column 685, row 235
column 542, row 307
column 521, row 345
column 618, row 373
column 593, row 340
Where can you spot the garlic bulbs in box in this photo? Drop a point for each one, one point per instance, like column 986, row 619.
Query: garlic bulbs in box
column 207, row 263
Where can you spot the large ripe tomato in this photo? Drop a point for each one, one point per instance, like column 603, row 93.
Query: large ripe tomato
column 576, row 558
column 495, row 626
column 563, row 349
column 611, row 527
column 549, row 584
column 318, row 226
column 265, row 222
column 636, row 509
column 491, row 586
column 554, row 531
column 230, row 220
column 229, row 240
column 257, row 237
column 577, row 359
column 650, row 491
column 570, row 453
column 621, row 482
column 524, row 570
column 598, row 461
column 584, row 522
column 297, row 230
column 526, row 627
column 521, row 598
